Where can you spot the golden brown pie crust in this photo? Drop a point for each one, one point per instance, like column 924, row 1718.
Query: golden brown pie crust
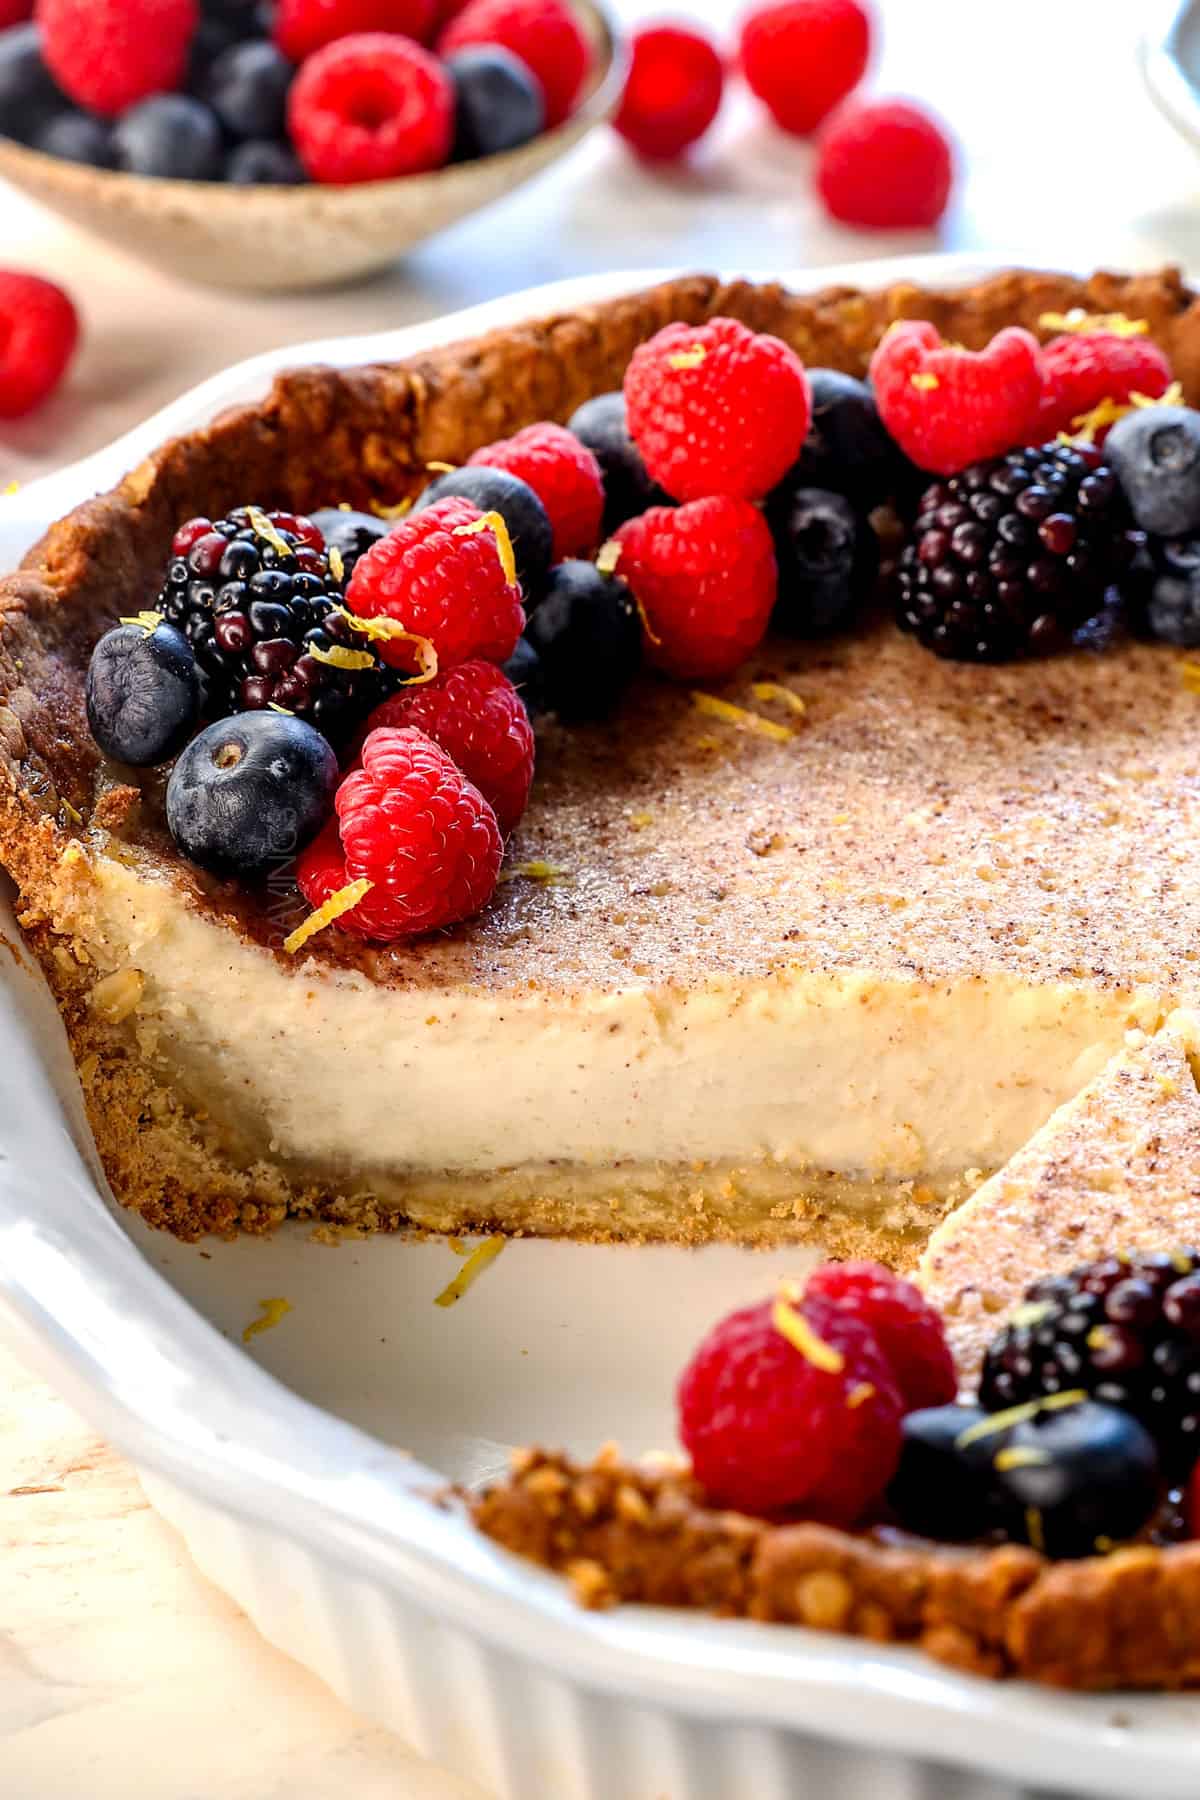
column 623, row 1532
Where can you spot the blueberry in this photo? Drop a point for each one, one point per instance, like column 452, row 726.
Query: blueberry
column 495, row 490
column 143, row 694
column 1155, row 451
column 250, row 792
column 588, row 639
column 28, row 96
column 828, row 560
column 497, row 102
column 170, row 135
column 248, row 89
column 77, row 137
column 942, row 1486
column 1168, row 597
column 351, row 533
column 524, row 670
column 601, row 424
column 258, row 163
column 1077, row 1479
column 848, row 447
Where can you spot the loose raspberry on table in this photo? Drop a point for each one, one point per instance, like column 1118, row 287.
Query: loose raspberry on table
column 948, row 407
column 886, row 165
column 545, row 34
column 39, row 329
column 1082, row 369
column 109, row 54
column 717, row 409
column 801, row 57
column 791, row 1406
column 410, row 822
column 441, row 574
column 706, row 579
column 563, row 474
column 672, row 92
column 475, row 714
column 302, row 27
column 908, row 1330
column 369, row 108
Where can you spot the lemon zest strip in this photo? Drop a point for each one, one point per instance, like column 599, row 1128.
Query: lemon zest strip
column 924, row 383
column 549, row 874
column 776, row 690
column 609, row 556
column 264, row 529
column 1016, row 1415
column 858, row 1396
column 14, row 487
column 1079, row 319
column 1019, row 1456
column 1034, row 1529
column 800, row 1335
column 378, row 628
column 472, row 1269
column 494, row 522
column 441, row 468
column 399, row 511
column 1189, row 674
column 689, row 359
column 739, row 717
column 343, row 901
column 337, row 564
column 338, row 657
column 272, row 1312
column 148, row 622
column 274, row 706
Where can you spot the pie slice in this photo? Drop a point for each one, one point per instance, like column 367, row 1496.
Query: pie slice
column 1117, row 1168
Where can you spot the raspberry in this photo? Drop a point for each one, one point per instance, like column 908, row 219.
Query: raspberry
column 109, row 54
column 947, row 407
column 1081, row 369
column 770, row 1426
column 706, row 578
column 886, row 165
column 563, row 474
column 371, row 107
column 908, row 1330
column 39, row 329
column 478, row 718
column 445, row 581
column 304, row 26
column 717, row 409
column 410, row 822
column 801, row 57
column 673, row 90
column 545, row 34
column 14, row 12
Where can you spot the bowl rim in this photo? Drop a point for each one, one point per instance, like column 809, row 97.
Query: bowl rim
column 165, row 1386
column 599, row 102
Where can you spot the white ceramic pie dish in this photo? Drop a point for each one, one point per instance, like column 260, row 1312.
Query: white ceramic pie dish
column 277, row 1465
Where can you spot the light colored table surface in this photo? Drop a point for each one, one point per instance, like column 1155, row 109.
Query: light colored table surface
column 121, row 1671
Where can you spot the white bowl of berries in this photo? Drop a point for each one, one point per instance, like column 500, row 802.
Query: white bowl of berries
column 299, row 144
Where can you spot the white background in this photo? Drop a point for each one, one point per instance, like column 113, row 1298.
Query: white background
column 121, row 1673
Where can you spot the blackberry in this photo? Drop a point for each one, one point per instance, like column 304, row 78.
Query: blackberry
column 262, row 614
column 1013, row 555
column 1126, row 1331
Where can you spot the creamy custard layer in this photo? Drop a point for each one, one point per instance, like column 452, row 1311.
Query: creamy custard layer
column 878, row 1079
